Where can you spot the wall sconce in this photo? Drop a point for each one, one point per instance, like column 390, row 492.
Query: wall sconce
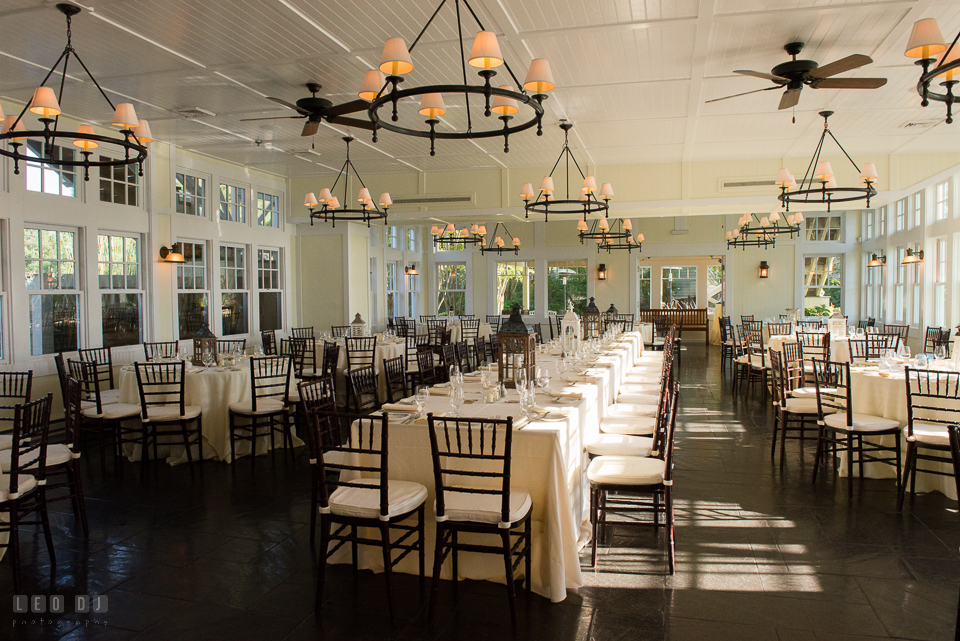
column 877, row 261
column 912, row 257
column 764, row 267
column 411, row 271
column 602, row 272
column 171, row 255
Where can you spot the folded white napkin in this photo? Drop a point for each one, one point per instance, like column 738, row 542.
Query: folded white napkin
column 440, row 391
column 397, row 407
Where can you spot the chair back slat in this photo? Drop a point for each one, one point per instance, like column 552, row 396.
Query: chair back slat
column 103, row 358
column 162, row 349
column 363, row 385
column 933, row 396
column 469, row 329
column 229, row 346
column 833, row 388
column 471, row 456
column 269, row 379
column 396, row 375
column 28, row 455
column 361, row 351
column 16, row 387
column 160, row 385
column 301, row 332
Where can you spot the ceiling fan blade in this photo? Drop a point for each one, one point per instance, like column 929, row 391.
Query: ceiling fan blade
column 288, row 105
column 273, row 118
column 760, row 74
column 309, row 128
column 849, row 83
column 351, row 122
column 741, row 94
column 346, row 108
column 839, row 66
column 790, row 99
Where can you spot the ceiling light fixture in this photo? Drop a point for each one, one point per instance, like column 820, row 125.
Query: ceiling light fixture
column 827, row 192
column 46, row 104
column 486, row 56
column 619, row 235
column 498, row 245
column 329, row 205
column 756, row 231
column 449, row 238
column 926, row 41
column 588, row 201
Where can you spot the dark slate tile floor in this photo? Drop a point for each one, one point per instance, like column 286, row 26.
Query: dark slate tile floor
column 762, row 553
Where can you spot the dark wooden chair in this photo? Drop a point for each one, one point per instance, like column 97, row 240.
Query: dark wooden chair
column 469, row 329
column 22, row 489
column 340, row 331
column 932, row 339
column 448, row 358
column 99, row 417
column 164, row 413
column 622, row 484
column 301, row 332
column 161, row 349
column 726, row 345
column 463, row 357
column 268, row 340
column 331, row 356
column 480, row 350
column 427, row 368
column 808, row 326
column 471, row 470
column 303, row 352
column 363, row 385
column 494, row 345
column 539, row 332
column 15, row 388
column 268, row 410
column 361, row 351
column 842, row 430
column 315, row 395
column 902, row 330
column 230, row 346
column 780, row 329
column 436, row 328
column 102, row 357
column 63, row 480
column 790, row 414
column 373, row 501
column 933, row 404
column 395, row 372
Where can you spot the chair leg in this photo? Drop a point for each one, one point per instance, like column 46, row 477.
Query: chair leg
column 45, row 522
column 907, row 467
column 324, row 544
column 816, row 460
column 528, row 550
column 783, row 435
column 387, row 563
column 79, row 507
column 594, row 507
column 13, row 545
column 776, row 424
column 508, row 569
column 437, row 562
column 314, row 505
column 850, row 451
column 671, row 541
column 421, row 549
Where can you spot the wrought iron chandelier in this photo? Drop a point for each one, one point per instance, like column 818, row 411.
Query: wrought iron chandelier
column 330, row 209
column 503, row 100
column 827, row 192
column 449, row 237
column 925, row 43
column 588, row 203
column 754, row 231
column 498, row 245
column 46, row 104
column 610, row 237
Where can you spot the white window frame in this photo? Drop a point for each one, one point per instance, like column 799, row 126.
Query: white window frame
column 529, row 268
column 179, row 279
column 466, row 284
column 234, row 208
column 110, row 289
column 411, row 239
column 899, row 286
column 276, row 200
column 392, row 234
column 882, row 222
column 806, row 286
column 47, row 171
column 696, row 281
column 943, row 195
column 266, row 275
column 393, row 291
column 228, row 277
column 815, row 233
column 900, row 215
column 129, row 171
column 77, row 272
column 868, row 225
column 917, row 205
column 941, row 279
column 199, row 202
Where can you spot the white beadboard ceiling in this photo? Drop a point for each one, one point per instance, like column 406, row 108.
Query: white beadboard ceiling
column 632, row 75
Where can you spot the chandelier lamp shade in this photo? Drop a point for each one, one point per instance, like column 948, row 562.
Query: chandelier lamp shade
column 589, row 201
column 499, row 245
column 450, row 237
column 127, row 149
column 926, row 43
column 327, row 207
column 819, row 185
column 762, row 231
column 618, row 235
column 504, row 101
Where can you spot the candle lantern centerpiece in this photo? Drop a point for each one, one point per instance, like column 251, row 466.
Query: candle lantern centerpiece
column 358, row 327
column 204, row 341
column 592, row 318
column 610, row 315
column 570, row 330
column 517, row 349
column 837, row 324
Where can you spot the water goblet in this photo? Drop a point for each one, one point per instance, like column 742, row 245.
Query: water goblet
column 520, row 376
column 561, row 366
column 940, row 352
column 543, row 379
column 423, row 394
column 528, row 401
column 456, row 399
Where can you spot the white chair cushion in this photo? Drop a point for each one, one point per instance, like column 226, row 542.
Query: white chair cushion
column 754, row 360
column 801, row 405
column 640, row 388
column 925, row 433
column 25, row 483
column 639, row 399
column 626, row 470
column 639, row 409
column 642, row 379
column 294, row 396
column 57, row 454
column 165, row 413
column 359, row 502
column 620, row 445
column 264, row 406
column 308, row 373
column 805, row 392
column 109, row 396
column 634, row 425
column 114, row 412
column 861, row 422
column 483, row 508
column 6, row 441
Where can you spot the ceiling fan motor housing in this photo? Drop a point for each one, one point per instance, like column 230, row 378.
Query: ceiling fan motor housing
column 794, row 69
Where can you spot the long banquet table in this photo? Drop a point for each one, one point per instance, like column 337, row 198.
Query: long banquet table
column 548, row 461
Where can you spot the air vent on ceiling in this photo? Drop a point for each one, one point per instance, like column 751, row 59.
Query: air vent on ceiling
column 920, row 124
column 431, row 200
column 194, row 112
column 738, row 183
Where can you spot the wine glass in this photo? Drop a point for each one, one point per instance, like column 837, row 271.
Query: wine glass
column 527, row 401
column 423, row 394
column 520, row 377
column 940, row 352
column 543, row 379
column 905, row 352
column 207, row 358
column 456, row 376
column 561, row 367
column 456, row 399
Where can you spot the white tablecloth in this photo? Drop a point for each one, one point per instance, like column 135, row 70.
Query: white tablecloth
column 839, row 347
column 385, row 351
column 548, row 462
column 213, row 391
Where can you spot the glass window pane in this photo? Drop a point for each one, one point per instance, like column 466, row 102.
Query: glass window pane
column 121, row 319
column 191, row 309
column 54, row 323
column 234, row 311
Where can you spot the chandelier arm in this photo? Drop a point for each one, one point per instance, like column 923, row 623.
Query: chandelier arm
column 338, row 178
column 47, row 77
column 482, row 28
column 843, row 150
column 359, row 178
column 427, row 26
column 811, row 168
column 463, row 67
column 102, row 92
column 63, row 80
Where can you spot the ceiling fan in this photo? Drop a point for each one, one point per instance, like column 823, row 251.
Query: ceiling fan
column 316, row 109
column 793, row 75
